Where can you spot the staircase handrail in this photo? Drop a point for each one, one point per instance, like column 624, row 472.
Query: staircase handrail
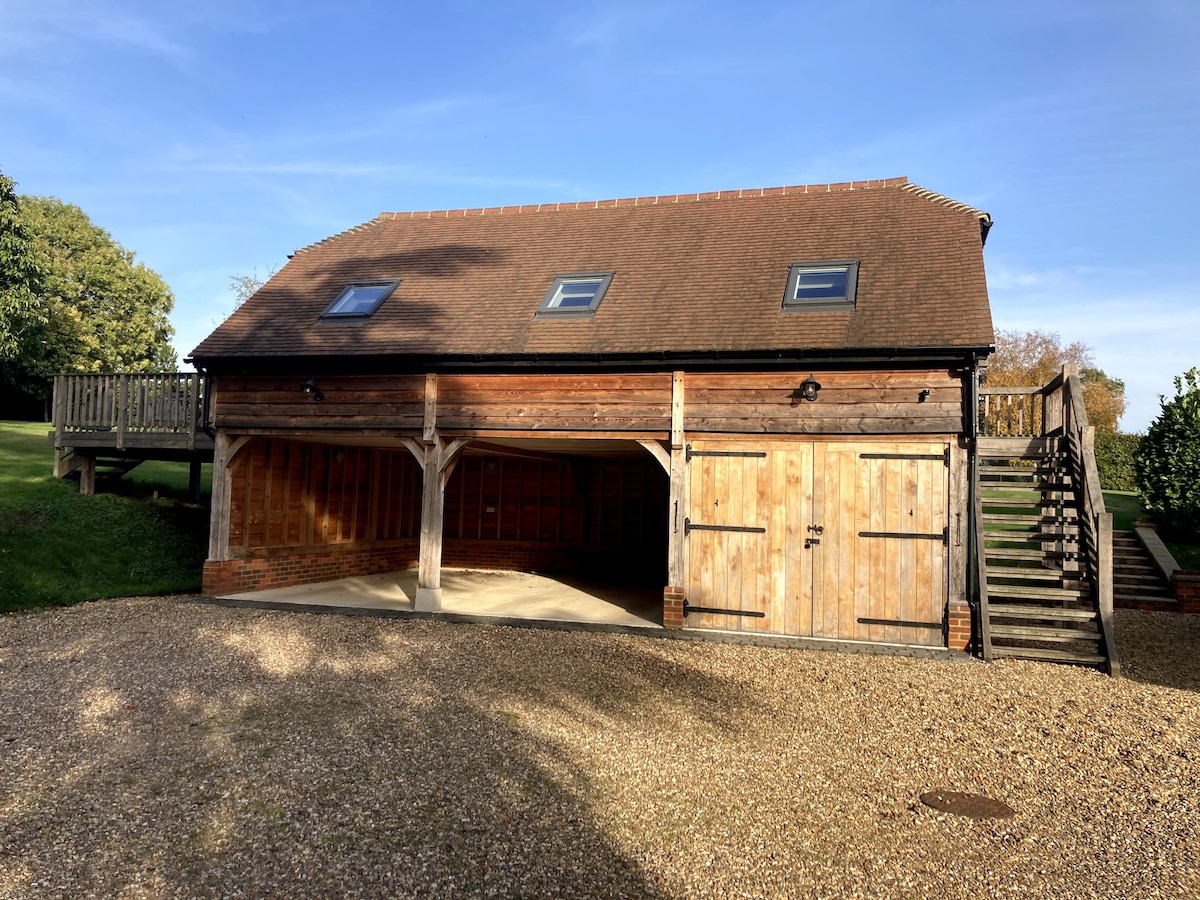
column 1096, row 521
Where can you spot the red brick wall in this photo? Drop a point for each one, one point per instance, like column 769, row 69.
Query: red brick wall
column 1187, row 591
column 305, row 567
column 959, row 617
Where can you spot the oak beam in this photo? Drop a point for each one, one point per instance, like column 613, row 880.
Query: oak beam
column 660, row 454
column 429, row 429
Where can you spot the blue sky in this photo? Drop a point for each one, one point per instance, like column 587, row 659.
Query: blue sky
column 213, row 138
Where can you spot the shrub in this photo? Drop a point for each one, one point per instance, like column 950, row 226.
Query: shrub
column 1114, row 459
column 1168, row 460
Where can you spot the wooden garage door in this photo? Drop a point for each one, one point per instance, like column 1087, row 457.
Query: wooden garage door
column 826, row 539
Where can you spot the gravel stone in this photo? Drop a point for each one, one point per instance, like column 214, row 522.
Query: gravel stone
column 160, row 747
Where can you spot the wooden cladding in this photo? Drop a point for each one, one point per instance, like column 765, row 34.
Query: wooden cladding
column 293, row 494
column 394, row 403
column 637, row 403
column 924, row 401
column 583, row 502
column 897, row 402
column 289, row 494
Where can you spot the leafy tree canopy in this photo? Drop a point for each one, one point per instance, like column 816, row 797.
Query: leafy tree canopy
column 95, row 309
column 1034, row 358
column 1168, row 458
column 20, row 274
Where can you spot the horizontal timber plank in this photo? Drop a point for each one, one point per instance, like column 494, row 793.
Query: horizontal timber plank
column 656, row 397
column 224, row 408
column 332, row 395
column 824, row 425
column 828, row 394
column 866, row 409
column 243, row 424
column 451, row 384
column 916, row 378
column 451, row 422
column 592, row 409
column 566, row 434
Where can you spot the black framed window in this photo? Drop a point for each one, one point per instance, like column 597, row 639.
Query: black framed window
column 359, row 299
column 818, row 286
column 575, row 296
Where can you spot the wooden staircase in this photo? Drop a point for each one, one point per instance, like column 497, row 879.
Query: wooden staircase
column 1041, row 601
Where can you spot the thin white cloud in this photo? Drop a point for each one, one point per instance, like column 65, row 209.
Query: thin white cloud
column 1141, row 328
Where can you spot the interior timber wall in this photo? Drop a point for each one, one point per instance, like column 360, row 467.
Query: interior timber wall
column 303, row 512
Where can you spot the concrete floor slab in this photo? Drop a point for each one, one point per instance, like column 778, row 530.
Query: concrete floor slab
column 474, row 592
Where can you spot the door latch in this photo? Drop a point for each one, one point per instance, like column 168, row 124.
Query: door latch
column 809, row 543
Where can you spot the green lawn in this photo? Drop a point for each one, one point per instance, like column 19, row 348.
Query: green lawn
column 57, row 547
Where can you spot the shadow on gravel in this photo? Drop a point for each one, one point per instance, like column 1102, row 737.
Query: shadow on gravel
column 1160, row 648
column 235, row 753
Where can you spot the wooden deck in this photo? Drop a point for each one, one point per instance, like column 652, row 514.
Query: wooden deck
column 115, row 422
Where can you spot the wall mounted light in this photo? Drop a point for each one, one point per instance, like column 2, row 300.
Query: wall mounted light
column 809, row 388
column 923, row 396
column 310, row 387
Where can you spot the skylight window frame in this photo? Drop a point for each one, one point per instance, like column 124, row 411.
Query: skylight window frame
column 331, row 311
column 548, row 308
column 821, row 304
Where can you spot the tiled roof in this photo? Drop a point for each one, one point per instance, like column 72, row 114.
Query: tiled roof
column 693, row 273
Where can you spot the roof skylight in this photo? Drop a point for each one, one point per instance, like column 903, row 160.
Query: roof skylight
column 821, row 286
column 359, row 299
column 575, row 296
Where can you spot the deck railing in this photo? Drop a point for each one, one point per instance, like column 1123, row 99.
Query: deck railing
column 152, row 403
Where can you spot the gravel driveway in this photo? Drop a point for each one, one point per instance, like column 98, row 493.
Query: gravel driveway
column 161, row 747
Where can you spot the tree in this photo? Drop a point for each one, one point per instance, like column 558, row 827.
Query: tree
column 1034, row 358
column 1168, row 459
column 95, row 309
column 20, row 274
column 245, row 286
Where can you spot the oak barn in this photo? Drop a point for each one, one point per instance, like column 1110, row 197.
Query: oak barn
column 761, row 403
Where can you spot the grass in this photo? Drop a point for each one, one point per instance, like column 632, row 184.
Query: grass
column 57, row 547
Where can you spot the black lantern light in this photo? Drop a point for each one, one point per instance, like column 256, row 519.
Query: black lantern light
column 809, row 388
column 310, row 387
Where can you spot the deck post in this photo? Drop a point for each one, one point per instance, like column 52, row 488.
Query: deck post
column 87, row 474
column 194, row 481
column 433, row 506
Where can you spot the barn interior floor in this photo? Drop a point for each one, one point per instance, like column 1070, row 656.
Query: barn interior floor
column 477, row 593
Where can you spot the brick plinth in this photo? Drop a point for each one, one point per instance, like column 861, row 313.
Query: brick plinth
column 959, row 619
column 1187, row 591
column 672, row 607
column 518, row 556
column 258, row 573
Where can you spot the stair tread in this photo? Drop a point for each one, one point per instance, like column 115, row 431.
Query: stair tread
column 1040, row 653
column 1158, row 597
column 1024, row 572
column 1015, row 553
column 1029, row 611
column 1042, row 633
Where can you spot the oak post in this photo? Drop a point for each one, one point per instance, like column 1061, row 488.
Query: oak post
column 218, row 528
column 433, row 505
column 676, row 410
